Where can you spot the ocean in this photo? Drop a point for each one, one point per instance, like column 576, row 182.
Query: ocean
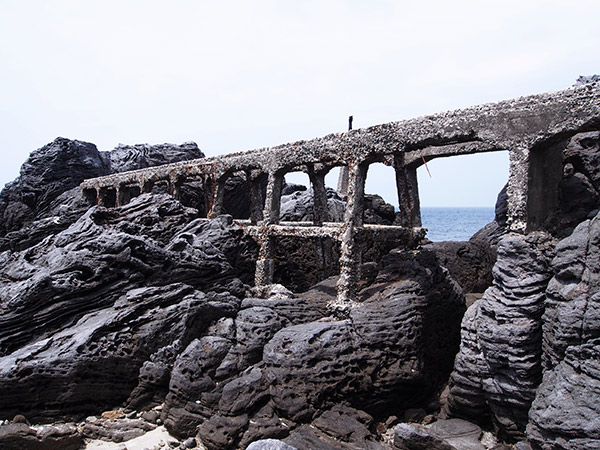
column 454, row 224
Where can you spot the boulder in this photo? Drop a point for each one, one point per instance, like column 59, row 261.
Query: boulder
column 451, row 434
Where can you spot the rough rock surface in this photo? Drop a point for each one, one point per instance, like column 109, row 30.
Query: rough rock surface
column 579, row 190
column 297, row 205
column 82, row 311
column 261, row 374
column 499, row 364
column 451, row 434
column 47, row 173
column 132, row 157
column 564, row 411
column 470, row 263
column 340, row 427
column 19, row 436
column 45, row 198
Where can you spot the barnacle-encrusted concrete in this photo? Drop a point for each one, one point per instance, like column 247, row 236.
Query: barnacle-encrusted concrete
column 516, row 126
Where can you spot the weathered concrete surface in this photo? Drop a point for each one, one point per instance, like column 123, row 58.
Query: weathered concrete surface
column 518, row 126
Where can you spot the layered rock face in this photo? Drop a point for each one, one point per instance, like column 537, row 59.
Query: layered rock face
column 529, row 350
column 499, row 364
column 83, row 310
column 566, row 409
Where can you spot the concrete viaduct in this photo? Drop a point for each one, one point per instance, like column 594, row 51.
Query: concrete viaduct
column 525, row 127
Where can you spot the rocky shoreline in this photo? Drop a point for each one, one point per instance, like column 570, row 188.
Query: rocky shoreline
column 116, row 323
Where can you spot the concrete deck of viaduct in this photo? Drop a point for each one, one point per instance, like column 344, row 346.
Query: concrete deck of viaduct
column 517, row 126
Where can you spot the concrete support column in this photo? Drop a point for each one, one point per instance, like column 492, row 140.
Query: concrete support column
column 265, row 264
column 517, row 190
column 255, row 196
column 266, row 258
column 320, row 207
column 218, row 198
column 342, row 185
column 175, row 187
column 273, row 198
column 350, row 258
column 323, row 246
column 408, row 193
column 118, row 194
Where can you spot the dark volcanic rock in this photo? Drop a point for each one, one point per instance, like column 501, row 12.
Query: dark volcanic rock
column 94, row 363
column 262, row 374
column 48, row 172
column 115, row 430
column 568, row 397
column 82, row 311
column 499, row 365
column 132, row 157
column 452, row 434
column 297, row 206
column 338, row 428
column 45, row 198
column 579, row 190
column 20, row 436
column 239, row 250
column 470, row 263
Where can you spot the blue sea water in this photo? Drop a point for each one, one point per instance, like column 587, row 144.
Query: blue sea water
column 454, row 224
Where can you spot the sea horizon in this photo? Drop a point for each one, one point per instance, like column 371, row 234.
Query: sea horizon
column 455, row 223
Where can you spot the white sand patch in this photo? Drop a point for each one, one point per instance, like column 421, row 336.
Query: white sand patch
column 149, row 440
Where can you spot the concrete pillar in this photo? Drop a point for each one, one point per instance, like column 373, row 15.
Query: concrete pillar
column 266, row 258
column 517, row 190
column 320, row 207
column 265, row 264
column 323, row 246
column 175, row 187
column 273, row 198
column 408, row 193
column 350, row 258
column 342, row 185
column 218, row 198
column 255, row 196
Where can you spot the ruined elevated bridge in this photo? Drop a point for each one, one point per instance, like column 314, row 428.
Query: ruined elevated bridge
column 527, row 127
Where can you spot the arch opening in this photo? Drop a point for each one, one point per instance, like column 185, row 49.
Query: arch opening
column 458, row 194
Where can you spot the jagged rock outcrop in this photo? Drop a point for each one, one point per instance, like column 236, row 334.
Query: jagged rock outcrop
column 82, row 311
column 48, row 172
column 566, row 403
column 499, row 364
column 269, row 371
column 45, row 199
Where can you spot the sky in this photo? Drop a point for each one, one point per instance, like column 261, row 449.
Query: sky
column 238, row 75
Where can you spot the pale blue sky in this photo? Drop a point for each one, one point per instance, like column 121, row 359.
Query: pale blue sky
column 237, row 75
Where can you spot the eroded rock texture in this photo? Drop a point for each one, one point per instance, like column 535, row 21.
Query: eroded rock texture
column 566, row 410
column 499, row 365
column 271, row 369
column 82, row 311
